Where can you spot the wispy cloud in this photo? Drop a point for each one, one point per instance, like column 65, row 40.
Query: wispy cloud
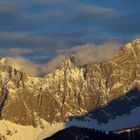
column 85, row 54
column 24, row 65
column 17, row 51
column 96, row 12
column 8, row 8
column 91, row 53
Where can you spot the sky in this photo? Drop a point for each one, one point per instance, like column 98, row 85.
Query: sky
column 42, row 30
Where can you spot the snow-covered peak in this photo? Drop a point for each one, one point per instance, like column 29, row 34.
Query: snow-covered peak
column 3, row 61
column 71, row 62
column 135, row 44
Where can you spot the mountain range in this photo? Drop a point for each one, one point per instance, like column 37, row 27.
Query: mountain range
column 101, row 96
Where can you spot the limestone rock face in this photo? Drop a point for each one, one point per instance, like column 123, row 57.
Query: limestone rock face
column 70, row 90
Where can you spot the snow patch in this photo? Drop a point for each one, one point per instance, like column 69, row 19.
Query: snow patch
column 11, row 131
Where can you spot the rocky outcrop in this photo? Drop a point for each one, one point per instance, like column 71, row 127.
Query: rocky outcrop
column 70, row 90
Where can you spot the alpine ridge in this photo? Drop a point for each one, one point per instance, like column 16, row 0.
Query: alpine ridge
column 70, row 90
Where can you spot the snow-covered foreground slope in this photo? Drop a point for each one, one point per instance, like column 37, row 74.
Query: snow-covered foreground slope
column 12, row 131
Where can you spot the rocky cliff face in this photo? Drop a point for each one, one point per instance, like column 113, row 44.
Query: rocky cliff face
column 70, row 90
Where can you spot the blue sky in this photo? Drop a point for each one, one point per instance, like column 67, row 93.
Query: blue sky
column 37, row 29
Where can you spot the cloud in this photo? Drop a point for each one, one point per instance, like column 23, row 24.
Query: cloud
column 33, row 69
column 53, row 64
column 24, row 65
column 17, row 18
column 9, row 15
column 47, row 2
column 84, row 55
column 95, row 12
column 38, row 2
column 8, row 9
column 91, row 53
column 67, row 16
column 40, row 41
column 14, row 39
column 15, row 36
column 17, row 51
